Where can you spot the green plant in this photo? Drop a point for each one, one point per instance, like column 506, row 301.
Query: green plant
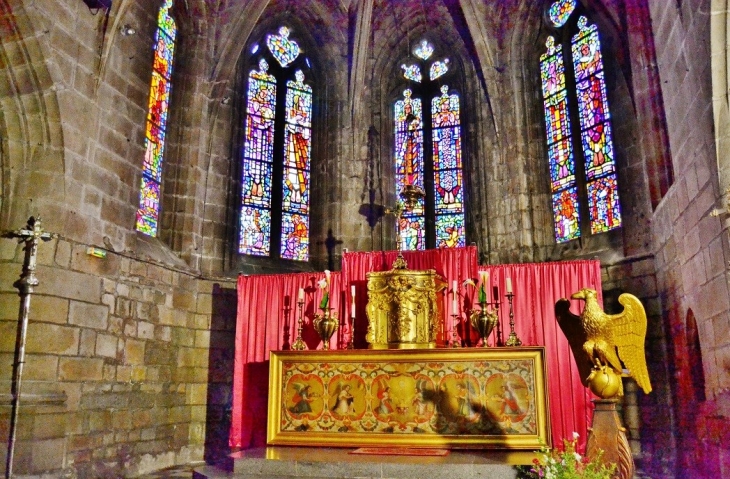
column 567, row 464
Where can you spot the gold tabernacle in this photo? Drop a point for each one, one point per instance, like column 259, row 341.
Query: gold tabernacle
column 403, row 309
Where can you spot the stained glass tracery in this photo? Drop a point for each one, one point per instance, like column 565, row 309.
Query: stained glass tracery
column 160, row 85
column 423, row 50
column 560, row 11
column 438, row 69
column 284, row 50
column 412, row 72
column 596, row 143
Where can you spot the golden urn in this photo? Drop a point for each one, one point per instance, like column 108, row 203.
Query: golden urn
column 326, row 323
column 484, row 322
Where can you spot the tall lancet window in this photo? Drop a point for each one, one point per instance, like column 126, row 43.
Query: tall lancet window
column 428, row 153
column 577, row 113
column 149, row 198
column 276, row 151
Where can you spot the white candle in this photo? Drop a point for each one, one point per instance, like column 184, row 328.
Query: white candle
column 352, row 289
column 509, row 285
column 301, row 294
column 352, row 306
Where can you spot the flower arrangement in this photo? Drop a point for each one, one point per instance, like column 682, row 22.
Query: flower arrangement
column 324, row 284
column 567, row 464
column 481, row 286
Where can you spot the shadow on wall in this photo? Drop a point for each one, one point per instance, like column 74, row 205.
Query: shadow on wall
column 220, row 375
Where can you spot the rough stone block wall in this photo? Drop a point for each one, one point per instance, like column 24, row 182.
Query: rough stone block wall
column 117, row 365
column 691, row 253
column 648, row 418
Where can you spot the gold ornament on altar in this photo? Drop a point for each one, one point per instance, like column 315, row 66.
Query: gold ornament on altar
column 601, row 342
column 403, row 309
column 326, row 323
column 484, row 322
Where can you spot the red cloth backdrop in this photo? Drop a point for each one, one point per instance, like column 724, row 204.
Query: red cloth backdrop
column 536, row 288
column 268, row 313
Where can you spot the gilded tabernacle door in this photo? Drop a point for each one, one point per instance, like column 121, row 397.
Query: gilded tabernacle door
column 465, row 398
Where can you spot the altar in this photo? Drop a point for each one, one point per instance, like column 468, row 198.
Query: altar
column 270, row 312
column 472, row 398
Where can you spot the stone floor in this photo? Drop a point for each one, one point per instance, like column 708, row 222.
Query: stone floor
column 175, row 472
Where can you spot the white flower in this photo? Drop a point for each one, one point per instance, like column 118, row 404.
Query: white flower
column 577, row 456
column 576, row 435
column 322, row 283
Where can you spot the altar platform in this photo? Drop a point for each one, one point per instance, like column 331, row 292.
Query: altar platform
column 284, row 462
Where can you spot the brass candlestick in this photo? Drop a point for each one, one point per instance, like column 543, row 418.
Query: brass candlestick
column 351, row 342
column 299, row 344
column 512, row 340
column 456, row 340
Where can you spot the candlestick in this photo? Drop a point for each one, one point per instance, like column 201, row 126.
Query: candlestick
column 299, row 344
column 455, row 341
column 512, row 340
column 351, row 342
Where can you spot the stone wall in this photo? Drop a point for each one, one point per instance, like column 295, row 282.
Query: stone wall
column 119, row 352
column 691, row 248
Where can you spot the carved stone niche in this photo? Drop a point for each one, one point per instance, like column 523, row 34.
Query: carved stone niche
column 403, row 309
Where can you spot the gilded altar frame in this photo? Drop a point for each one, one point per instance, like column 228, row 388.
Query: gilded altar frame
column 454, row 398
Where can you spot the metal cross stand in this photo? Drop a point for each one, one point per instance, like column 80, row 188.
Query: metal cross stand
column 31, row 235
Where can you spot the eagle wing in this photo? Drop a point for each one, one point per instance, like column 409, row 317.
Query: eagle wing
column 573, row 330
column 629, row 334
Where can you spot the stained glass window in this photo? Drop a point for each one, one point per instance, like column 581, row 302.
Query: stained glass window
column 599, row 192
column 298, row 144
column 159, row 100
column 284, row 50
column 423, row 50
column 447, row 170
column 258, row 158
column 428, row 154
column 412, row 72
column 438, row 69
column 596, row 137
column 281, row 228
column 560, row 11
column 409, row 166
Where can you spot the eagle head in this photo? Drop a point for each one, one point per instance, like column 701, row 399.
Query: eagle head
column 584, row 294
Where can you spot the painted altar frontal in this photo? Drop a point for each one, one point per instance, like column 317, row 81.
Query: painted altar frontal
column 460, row 398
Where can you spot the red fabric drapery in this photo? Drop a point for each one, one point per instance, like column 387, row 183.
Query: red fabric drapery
column 268, row 313
column 267, row 320
column 537, row 287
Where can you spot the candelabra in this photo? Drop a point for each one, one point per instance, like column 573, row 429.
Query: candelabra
column 299, row 344
column 512, row 340
column 455, row 339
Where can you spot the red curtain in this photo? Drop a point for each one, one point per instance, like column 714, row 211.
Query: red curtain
column 268, row 313
column 536, row 288
column 267, row 320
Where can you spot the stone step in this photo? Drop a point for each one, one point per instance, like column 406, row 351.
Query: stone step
column 329, row 463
